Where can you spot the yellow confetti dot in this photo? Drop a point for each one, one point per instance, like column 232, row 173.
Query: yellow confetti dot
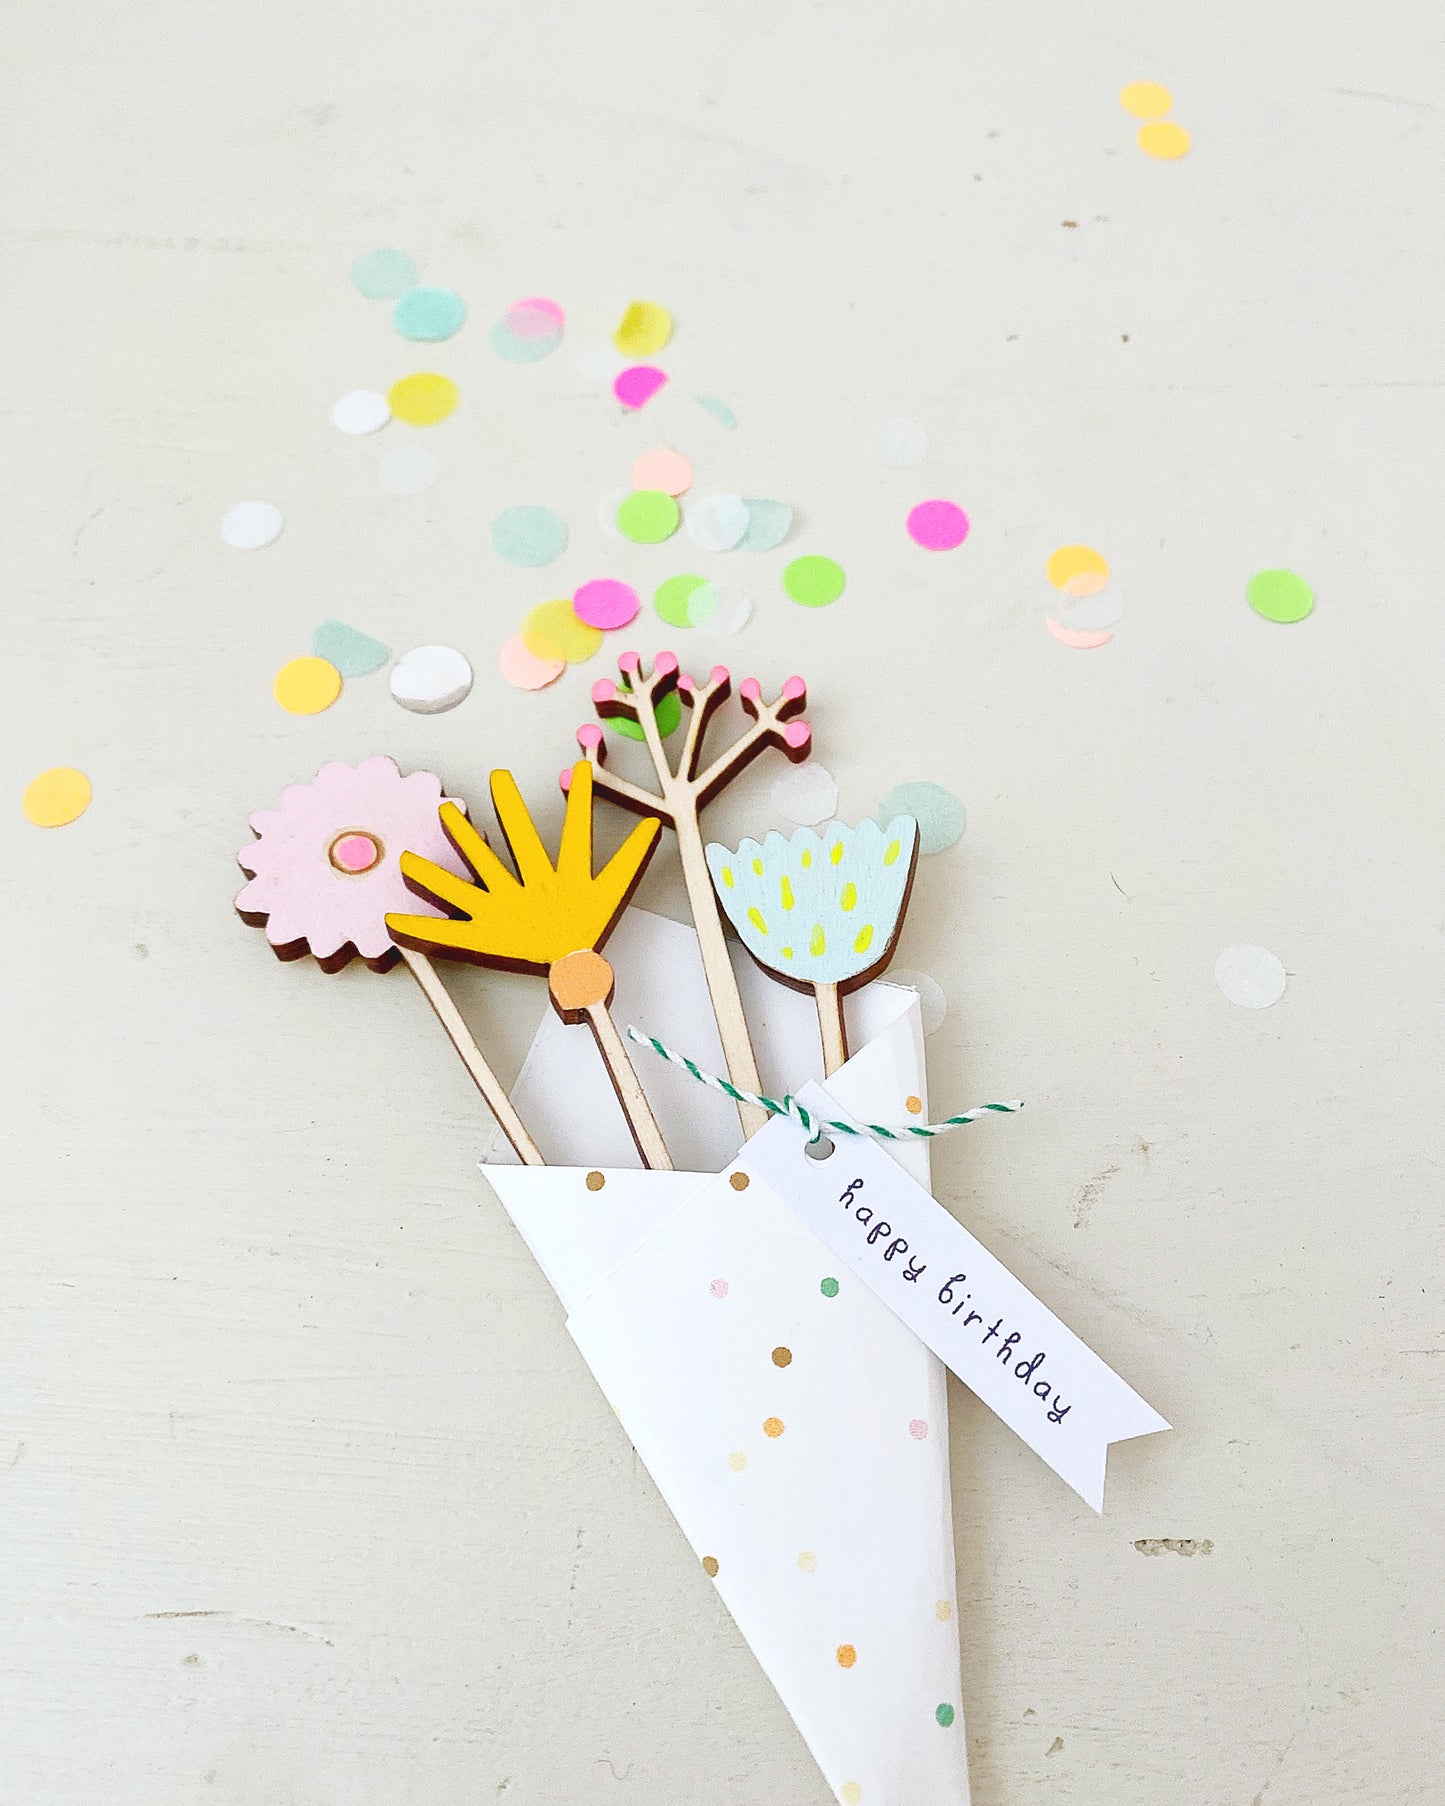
column 847, row 1655
column 943, row 1611
column 807, row 1561
column 913, row 1105
column 850, row 1793
column 552, row 630
column 864, row 939
column 306, row 686
column 1163, row 139
column 773, row 1426
column 1146, row 100
column 645, row 327
column 1069, row 561
column 595, row 1181
column 709, row 1565
column 737, row 1461
column 56, row 797
column 423, row 399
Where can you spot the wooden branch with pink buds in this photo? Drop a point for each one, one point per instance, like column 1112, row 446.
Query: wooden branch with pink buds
column 681, row 795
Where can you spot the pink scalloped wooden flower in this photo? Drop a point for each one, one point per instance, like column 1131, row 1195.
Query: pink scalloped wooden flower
column 325, row 864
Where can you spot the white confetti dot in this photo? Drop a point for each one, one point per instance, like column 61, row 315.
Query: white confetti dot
column 409, row 469
column 250, row 525
column 429, row 680
column 900, row 442
column 601, row 364
column 1091, row 614
column 361, row 411
column 607, row 512
column 1250, row 976
column 806, row 793
column 717, row 522
column 932, row 1002
column 720, row 609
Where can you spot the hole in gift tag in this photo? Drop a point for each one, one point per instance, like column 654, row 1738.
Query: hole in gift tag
column 819, row 1149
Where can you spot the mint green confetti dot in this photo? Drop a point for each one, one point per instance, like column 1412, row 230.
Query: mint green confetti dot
column 769, row 524
column 718, row 409
column 354, row 654
column 940, row 816
column 383, row 275
column 429, row 314
column 529, row 536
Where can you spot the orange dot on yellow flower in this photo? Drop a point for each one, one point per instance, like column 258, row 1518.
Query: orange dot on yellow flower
column 1163, row 139
column 847, row 1655
column 305, row 686
column 56, row 797
column 1146, row 100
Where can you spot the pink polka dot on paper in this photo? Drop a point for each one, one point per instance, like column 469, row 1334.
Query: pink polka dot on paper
column 606, row 603
column 535, row 318
column 637, row 384
column 719, row 1288
column 524, row 670
column 938, row 526
column 918, row 1429
column 664, row 469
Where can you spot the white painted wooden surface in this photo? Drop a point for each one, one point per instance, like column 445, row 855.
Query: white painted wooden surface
column 305, row 1497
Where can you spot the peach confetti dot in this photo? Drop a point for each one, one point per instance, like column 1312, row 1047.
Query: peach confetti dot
column 737, row 1461
column 1080, row 638
column 807, row 1561
column 719, row 1288
column 773, row 1426
column 850, row 1793
column 738, row 1181
column 664, row 469
column 709, row 1566
column 595, row 1181
column 943, row 1611
column 913, row 1105
column 782, row 1357
column 524, row 670
column 918, row 1429
column 847, row 1655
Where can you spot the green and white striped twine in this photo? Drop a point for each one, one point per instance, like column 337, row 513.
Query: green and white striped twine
column 813, row 1126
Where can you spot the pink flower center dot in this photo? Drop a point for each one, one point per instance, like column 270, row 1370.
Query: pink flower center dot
column 719, row 1288
column 918, row 1429
column 354, row 852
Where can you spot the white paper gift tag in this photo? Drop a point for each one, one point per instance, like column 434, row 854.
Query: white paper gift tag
column 962, row 1302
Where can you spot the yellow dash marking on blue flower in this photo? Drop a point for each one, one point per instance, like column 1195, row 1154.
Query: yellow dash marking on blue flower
column 758, row 867
column 787, row 953
column 785, row 891
column 849, row 898
column 835, row 852
column 807, row 857
column 727, row 876
column 755, row 916
column 865, row 938
column 817, row 946
column 891, row 851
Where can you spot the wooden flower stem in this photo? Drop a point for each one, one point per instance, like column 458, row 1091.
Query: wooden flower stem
column 581, row 986
column 832, row 1028
column 485, row 1080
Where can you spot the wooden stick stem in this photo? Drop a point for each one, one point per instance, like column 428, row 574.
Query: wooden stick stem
column 832, row 1028
column 630, row 1094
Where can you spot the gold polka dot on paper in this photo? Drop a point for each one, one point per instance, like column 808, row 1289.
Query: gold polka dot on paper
column 1164, row 140
column 847, row 1655
column 913, row 1105
column 737, row 1461
column 595, row 1181
column 738, row 1181
column 782, row 1357
column 807, row 1561
column 773, row 1426
column 850, row 1793
column 709, row 1566
column 943, row 1611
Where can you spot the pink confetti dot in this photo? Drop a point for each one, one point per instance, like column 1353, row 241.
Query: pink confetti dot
column 637, row 384
column 719, row 1288
column 938, row 526
column 918, row 1429
column 535, row 318
column 606, row 603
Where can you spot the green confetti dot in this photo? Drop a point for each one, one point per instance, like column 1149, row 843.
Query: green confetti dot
column 940, row 816
column 1280, row 595
column 529, row 535
column 669, row 714
column 429, row 314
column 945, row 1716
column 383, row 275
column 829, row 1288
column 813, row 581
column 648, row 516
column 674, row 599
column 354, row 654
column 719, row 410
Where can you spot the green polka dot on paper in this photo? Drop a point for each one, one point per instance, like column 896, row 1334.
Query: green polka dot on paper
column 940, row 816
column 674, row 599
column 829, row 1288
column 1280, row 596
column 669, row 715
column 429, row 314
column 648, row 516
column 719, row 410
column 383, row 275
column 813, row 581
column 945, row 1715
column 529, row 535
column 354, row 654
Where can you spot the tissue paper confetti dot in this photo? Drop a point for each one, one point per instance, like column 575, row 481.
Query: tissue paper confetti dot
column 648, row 516
column 607, row 511
column 607, row 604
column 806, row 794
column 429, row 314
column 409, row 469
column 673, row 598
column 423, row 399
column 940, row 816
column 900, row 443
column 719, row 410
column 1164, row 140
column 717, row 522
column 933, row 1004
column 719, row 609
column 525, row 669
column 529, row 536
column 528, row 331
column 1068, row 562
column 1094, row 611
column 250, row 525
column 737, row 1461
column 57, row 797
column 552, row 630
column 773, row 1426
column 1250, row 976
column 664, row 469
column 1146, row 100
column 828, row 1287
column 769, row 524
column 637, row 384
column 306, row 686
column 383, row 275
column 851, row 1793
column 918, row 1430
column 808, row 1561
column 1280, row 596
column 669, row 715
column 1081, row 639
column 353, row 654
column 813, row 581
column 945, row 1715
column 645, row 327
column 718, row 1288
column 937, row 526
column 360, row 411
column 429, row 680
column 846, row 1655
column 943, row 1611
